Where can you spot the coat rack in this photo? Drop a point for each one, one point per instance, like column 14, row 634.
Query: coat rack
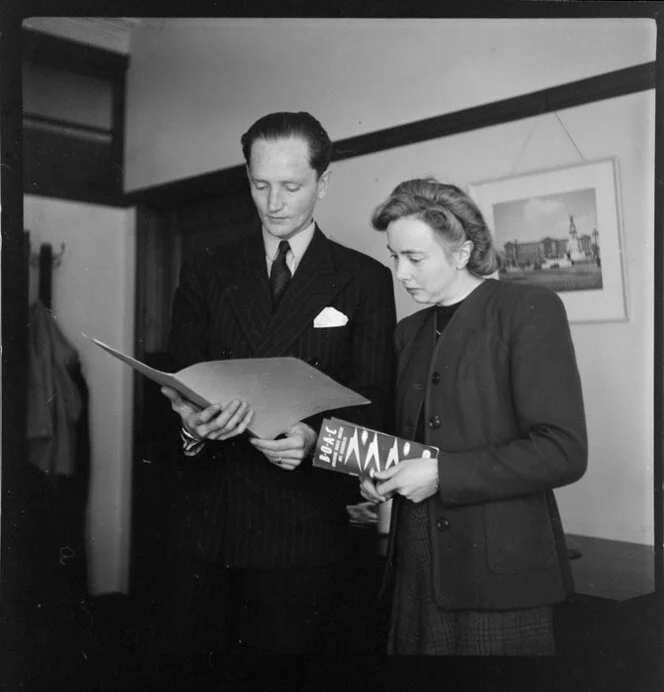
column 46, row 261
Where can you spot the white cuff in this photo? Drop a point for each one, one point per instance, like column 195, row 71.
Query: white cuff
column 191, row 444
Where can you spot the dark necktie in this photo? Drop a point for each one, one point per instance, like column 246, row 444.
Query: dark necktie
column 280, row 273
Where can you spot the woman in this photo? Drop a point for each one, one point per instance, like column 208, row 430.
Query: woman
column 488, row 375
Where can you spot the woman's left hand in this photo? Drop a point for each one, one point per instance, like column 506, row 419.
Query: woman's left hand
column 415, row 479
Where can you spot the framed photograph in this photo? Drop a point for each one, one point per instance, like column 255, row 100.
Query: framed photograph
column 561, row 228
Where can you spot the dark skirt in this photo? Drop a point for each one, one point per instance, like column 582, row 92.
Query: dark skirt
column 419, row 626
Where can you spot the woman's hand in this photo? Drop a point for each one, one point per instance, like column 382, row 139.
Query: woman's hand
column 415, row 479
column 215, row 422
column 290, row 451
column 368, row 489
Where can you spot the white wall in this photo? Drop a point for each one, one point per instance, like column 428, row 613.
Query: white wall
column 194, row 86
column 93, row 292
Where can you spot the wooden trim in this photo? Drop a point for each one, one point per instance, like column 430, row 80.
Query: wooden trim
column 224, row 182
column 61, row 53
column 70, row 167
column 658, row 363
column 118, row 125
column 65, row 124
column 605, row 86
column 14, row 291
column 90, row 159
column 599, row 88
column 77, row 195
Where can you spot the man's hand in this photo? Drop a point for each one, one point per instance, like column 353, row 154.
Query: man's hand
column 288, row 452
column 368, row 489
column 415, row 479
column 215, row 422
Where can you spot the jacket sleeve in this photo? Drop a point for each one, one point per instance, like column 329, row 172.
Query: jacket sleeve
column 189, row 319
column 188, row 344
column 549, row 448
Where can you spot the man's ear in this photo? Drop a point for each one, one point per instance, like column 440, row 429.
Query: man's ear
column 323, row 184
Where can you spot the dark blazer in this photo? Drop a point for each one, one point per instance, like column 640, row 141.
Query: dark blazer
column 238, row 509
column 501, row 397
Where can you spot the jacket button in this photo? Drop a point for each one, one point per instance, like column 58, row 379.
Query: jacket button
column 434, row 422
column 443, row 524
column 435, row 378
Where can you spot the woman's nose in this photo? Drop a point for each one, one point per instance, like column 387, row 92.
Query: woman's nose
column 401, row 270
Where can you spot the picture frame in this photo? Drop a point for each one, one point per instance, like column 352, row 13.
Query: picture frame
column 561, row 228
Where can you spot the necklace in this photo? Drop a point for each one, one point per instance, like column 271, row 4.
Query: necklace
column 444, row 313
column 461, row 297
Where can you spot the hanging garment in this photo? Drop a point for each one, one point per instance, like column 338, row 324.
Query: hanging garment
column 54, row 401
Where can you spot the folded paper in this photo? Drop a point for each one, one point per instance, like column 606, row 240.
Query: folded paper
column 282, row 391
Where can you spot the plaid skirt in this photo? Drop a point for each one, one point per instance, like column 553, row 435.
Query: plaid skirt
column 419, row 626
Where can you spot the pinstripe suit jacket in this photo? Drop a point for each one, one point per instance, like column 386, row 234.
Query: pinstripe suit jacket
column 237, row 509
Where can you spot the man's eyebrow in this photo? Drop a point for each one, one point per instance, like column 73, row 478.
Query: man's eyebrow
column 288, row 181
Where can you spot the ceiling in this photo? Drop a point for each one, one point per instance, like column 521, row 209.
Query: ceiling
column 109, row 33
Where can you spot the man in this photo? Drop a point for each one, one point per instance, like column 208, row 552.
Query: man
column 262, row 531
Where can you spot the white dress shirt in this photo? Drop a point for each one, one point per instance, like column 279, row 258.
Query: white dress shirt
column 298, row 246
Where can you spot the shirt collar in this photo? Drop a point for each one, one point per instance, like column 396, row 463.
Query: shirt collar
column 298, row 243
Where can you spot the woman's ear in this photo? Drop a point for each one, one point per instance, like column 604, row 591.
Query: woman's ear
column 463, row 254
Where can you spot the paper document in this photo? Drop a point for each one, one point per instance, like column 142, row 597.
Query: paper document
column 282, row 391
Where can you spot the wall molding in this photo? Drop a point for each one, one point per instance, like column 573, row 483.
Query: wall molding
column 109, row 33
column 64, row 53
column 66, row 159
column 584, row 91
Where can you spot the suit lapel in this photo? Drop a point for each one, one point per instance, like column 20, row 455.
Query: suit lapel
column 249, row 291
column 315, row 283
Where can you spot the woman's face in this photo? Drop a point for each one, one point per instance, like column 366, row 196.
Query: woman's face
column 425, row 270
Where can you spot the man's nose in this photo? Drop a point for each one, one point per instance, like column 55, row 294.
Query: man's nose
column 274, row 200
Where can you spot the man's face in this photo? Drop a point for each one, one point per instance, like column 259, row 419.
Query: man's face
column 284, row 186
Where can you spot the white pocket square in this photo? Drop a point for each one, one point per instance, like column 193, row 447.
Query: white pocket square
column 330, row 317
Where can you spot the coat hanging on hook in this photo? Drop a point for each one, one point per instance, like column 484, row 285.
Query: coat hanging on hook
column 54, row 401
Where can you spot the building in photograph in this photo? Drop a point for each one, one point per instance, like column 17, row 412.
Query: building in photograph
column 553, row 253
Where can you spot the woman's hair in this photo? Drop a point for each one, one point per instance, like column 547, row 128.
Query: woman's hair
column 449, row 211
column 283, row 125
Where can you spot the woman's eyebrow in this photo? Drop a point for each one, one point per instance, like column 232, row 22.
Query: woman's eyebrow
column 406, row 252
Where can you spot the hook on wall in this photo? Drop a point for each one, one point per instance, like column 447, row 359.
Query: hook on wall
column 56, row 258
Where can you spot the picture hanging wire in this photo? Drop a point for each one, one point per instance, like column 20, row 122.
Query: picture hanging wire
column 529, row 137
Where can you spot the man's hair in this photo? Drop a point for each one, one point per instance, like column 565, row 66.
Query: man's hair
column 449, row 212
column 283, row 125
